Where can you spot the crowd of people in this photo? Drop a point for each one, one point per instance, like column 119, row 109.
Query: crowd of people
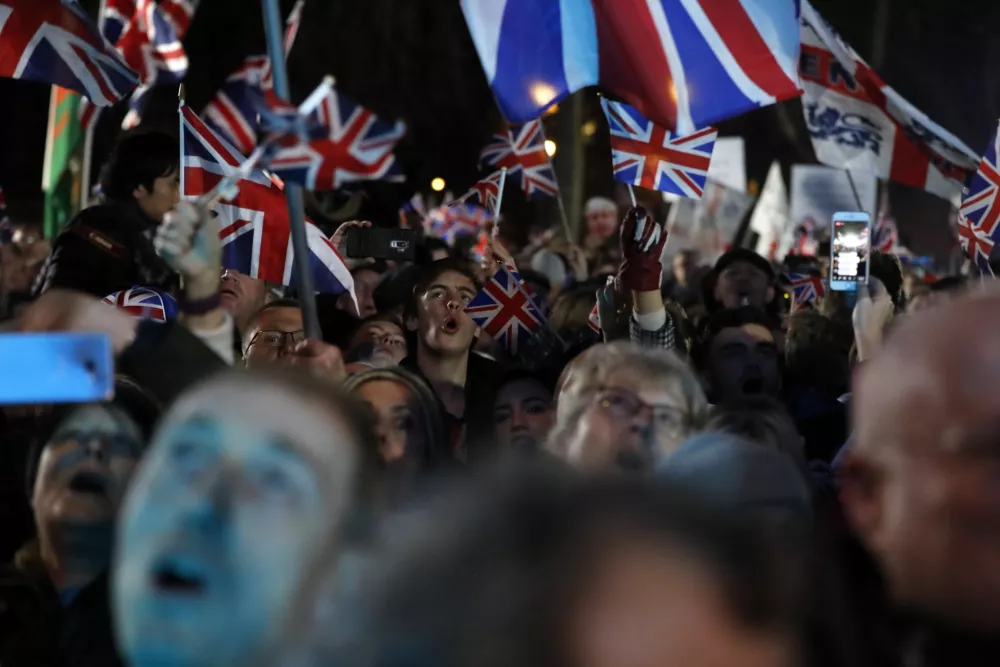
column 719, row 476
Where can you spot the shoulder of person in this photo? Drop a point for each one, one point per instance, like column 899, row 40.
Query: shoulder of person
column 102, row 227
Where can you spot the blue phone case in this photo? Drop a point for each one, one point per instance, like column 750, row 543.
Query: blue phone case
column 55, row 368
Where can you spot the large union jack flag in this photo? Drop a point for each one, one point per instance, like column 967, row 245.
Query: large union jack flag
column 885, row 235
column 806, row 289
column 358, row 147
column 484, row 193
column 647, row 155
column 979, row 213
column 232, row 112
column 976, row 244
column 450, row 222
column 521, row 148
column 505, row 310
column 254, row 226
column 145, row 303
column 54, row 42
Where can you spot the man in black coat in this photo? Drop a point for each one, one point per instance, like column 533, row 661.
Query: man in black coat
column 107, row 248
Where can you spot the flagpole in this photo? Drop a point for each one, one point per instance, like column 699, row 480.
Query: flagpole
column 274, row 32
column 180, row 133
column 500, row 186
column 631, row 194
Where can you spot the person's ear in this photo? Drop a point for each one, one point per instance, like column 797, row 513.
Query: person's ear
column 140, row 191
column 860, row 495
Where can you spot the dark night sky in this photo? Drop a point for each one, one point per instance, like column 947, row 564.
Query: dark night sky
column 413, row 59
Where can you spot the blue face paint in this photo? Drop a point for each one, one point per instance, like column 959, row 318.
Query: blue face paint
column 236, row 491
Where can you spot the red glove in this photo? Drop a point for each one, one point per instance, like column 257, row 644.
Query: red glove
column 642, row 241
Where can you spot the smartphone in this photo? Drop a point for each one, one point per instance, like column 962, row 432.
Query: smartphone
column 381, row 243
column 55, row 368
column 850, row 246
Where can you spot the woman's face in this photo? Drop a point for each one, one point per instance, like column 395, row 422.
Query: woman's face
column 523, row 415
column 400, row 426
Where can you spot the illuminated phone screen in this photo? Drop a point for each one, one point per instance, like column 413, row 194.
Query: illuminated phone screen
column 850, row 251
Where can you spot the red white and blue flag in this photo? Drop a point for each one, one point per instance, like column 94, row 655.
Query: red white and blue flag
column 357, row 147
column 505, row 310
column 232, row 112
column 254, row 226
column 858, row 122
column 806, row 289
column 145, row 303
column 450, row 222
column 484, row 193
column 885, row 235
column 685, row 64
column 521, row 148
column 976, row 244
column 53, row 41
column 594, row 320
column 980, row 209
column 647, row 155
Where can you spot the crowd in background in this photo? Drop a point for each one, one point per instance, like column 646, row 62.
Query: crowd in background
column 719, row 475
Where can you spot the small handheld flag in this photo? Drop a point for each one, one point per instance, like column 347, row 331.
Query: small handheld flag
column 505, row 310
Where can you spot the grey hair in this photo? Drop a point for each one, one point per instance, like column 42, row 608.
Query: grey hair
column 593, row 368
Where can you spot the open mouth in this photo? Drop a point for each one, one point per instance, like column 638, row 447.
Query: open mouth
column 450, row 325
column 88, row 481
column 173, row 577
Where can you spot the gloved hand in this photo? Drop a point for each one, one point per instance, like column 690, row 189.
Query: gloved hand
column 188, row 241
column 642, row 241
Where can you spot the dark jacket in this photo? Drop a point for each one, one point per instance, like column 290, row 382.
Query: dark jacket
column 105, row 249
column 38, row 630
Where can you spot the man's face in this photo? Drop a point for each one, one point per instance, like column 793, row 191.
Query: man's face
column 743, row 284
column 523, row 415
column 273, row 336
column 628, row 424
column 241, row 295
column 365, row 282
column 241, row 485
column 400, row 429
column 685, row 265
column 443, row 325
column 385, row 340
column 602, row 224
column 649, row 604
column 164, row 196
column 86, row 467
column 743, row 361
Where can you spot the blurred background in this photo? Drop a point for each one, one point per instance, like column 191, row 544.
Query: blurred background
column 415, row 60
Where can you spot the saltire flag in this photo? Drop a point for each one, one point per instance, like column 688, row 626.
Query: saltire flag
column 484, row 193
column 594, row 320
column 357, row 147
column 450, row 222
column 979, row 213
column 232, row 112
column 521, row 148
column 885, row 234
column 504, row 309
column 53, row 41
column 806, row 289
column 858, row 122
column 660, row 56
column 647, row 155
column 145, row 303
column 254, row 226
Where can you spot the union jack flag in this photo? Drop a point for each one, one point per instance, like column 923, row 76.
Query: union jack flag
column 505, row 310
column 232, row 112
column 450, row 222
column 885, row 235
column 647, row 155
column 976, row 244
column 145, row 303
column 484, row 193
column 806, row 288
column 254, row 226
column 358, row 147
column 521, row 148
column 979, row 213
column 53, row 41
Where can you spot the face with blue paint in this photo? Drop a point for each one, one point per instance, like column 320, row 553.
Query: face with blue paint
column 242, row 482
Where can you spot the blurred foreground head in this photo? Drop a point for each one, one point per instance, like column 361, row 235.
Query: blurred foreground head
column 543, row 569
column 920, row 480
column 621, row 406
column 248, row 474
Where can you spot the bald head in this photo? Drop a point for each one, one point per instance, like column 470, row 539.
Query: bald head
column 920, row 481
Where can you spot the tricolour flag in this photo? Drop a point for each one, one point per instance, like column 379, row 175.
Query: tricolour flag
column 54, row 42
column 647, row 155
column 254, row 226
column 505, row 310
column 661, row 56
column 60, row 184
column 521, row 148
column 857, row 122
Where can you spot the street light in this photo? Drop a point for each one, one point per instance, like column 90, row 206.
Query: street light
column 437, row 184
column 550, row 147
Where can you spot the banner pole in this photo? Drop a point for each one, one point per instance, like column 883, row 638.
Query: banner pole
column 274, row 32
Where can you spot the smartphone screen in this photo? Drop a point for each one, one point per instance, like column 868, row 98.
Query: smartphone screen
column 849, row 252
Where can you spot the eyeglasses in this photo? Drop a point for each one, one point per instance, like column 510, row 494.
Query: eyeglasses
column 277, row 339
column 625, row 405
